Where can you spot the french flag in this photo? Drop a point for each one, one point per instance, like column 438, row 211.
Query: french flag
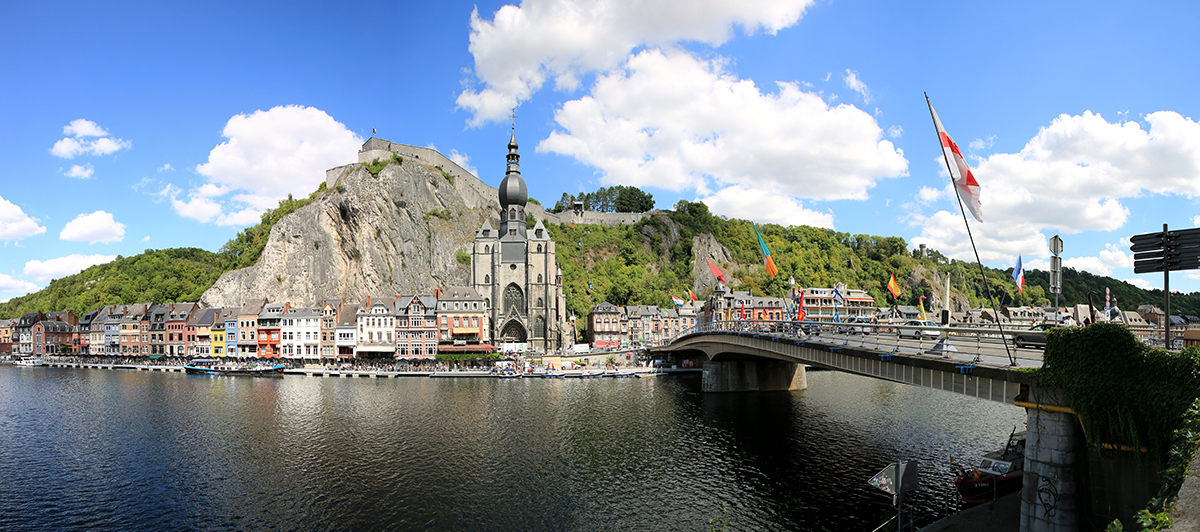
column 1019, row 276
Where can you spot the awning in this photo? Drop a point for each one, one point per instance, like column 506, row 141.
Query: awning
column 155, row 356
column 469, row 348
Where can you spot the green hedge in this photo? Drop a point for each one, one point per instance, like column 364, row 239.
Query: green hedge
column 1125, row 392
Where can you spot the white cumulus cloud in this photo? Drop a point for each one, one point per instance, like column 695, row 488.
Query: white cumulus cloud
column 165, row 167
column 8, row 285
column 1071, row 177
column 463, row 160
column 673, row 121
column 43, row 271
column 266, row 156
column 82, row 172
column 15, row 224
column 97, row 227
column 764, row 206
column 80, row 143
column 564, row 40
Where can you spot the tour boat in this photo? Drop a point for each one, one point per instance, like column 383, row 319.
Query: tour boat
column 28, row 361
column 625, row 373
column 588, row 374
column 508, row 374
column 553, row 375
column 208, row 366
column 1000, row 472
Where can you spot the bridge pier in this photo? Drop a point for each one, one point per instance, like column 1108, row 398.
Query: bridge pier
column 1050, row 493
column 753, row 376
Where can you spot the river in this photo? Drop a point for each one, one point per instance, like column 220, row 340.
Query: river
column 140, row 451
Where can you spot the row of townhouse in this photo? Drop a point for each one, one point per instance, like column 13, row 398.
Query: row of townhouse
column 609, row 325
column 407, row 327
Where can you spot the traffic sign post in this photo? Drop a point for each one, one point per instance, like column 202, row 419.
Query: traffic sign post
column 1056, row 248
column 897, row 479
column 1166, row 252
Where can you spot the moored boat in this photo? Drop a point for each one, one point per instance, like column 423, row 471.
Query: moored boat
column 589, row 374
column 999, row 473
column 208, row 366
column 28, row 361
column 625, row 373
column 553, row 375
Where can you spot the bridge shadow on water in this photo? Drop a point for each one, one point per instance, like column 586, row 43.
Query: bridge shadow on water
column 805, row 457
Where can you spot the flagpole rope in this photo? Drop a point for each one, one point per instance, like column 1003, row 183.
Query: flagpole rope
column 963, row 210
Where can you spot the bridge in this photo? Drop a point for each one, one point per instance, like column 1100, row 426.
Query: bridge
column 771, row 356
column 768, row 355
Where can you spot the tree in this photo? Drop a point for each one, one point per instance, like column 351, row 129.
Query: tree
column 633, row 199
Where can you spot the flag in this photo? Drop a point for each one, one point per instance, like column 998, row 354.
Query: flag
column 968, row 188
column 837, row 296
column 691, row 294
column 921, row 304
column 767, row 260
column 678, row 302
column 894, row 287
column 1019, row 276
column 716, row 273
column 374, row 131
column 800, row 314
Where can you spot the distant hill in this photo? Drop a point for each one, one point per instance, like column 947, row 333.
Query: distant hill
column 401, row 228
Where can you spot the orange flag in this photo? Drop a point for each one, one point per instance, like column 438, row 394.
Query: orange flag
column 894, row 287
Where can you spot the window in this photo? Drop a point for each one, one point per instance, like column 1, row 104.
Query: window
column 487, row 279
column 540, row 305
column 513, row 298
column 512, row 214
column 486, row 249
column 539, row 277
column 539, row 235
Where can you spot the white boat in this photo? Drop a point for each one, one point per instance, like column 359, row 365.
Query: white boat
column 28, row 361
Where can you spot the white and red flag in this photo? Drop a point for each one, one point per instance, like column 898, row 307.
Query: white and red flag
column 968, row 188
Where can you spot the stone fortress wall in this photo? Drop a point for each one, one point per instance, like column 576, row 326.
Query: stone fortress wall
column 382, row 150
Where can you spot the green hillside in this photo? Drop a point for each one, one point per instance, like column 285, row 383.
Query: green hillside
column 181, row 274
column 640, row 264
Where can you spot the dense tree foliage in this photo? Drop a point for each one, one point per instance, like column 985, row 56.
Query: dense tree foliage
column 609, row 199
column 181, row 274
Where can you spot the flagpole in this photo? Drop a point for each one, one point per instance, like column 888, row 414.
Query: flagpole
column 996, row 314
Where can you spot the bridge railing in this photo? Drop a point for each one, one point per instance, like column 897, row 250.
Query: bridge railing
column 971, row 344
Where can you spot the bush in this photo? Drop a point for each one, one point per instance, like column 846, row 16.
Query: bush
column 463, row 258
column 375, row 167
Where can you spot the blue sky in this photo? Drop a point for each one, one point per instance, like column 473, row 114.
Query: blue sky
column 125, row 127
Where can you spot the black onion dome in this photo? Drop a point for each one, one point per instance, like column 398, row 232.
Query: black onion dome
column 512, row 188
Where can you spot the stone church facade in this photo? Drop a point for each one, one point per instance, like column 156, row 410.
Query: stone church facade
column 514, row 268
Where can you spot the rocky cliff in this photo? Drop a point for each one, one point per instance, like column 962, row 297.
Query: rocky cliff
column 396, row 232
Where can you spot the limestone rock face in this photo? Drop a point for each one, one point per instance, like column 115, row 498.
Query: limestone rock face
column 395, row 233
column 706, row 246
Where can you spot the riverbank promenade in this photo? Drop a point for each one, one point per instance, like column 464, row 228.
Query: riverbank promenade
column 379, row 374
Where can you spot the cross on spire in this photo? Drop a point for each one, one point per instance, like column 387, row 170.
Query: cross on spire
column 513, row 117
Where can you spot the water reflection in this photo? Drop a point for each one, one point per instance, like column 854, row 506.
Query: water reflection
column 111, row 450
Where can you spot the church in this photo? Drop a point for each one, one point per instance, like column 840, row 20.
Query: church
column 514, row 268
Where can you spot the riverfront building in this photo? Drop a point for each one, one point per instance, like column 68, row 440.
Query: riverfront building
column 516, row 272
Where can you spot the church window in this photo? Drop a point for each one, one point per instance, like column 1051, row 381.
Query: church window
column 512, row 214
column 487, row 279
column 540, row 302
column 487, row 302
column 539, row 234
column 539, row 327
column 487, row 249
column 512, row 232
column 513, row 298
column 539, row 277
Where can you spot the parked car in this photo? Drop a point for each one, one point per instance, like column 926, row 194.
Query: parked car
column 1035, row 336
column 910, row 330
column 849, row 326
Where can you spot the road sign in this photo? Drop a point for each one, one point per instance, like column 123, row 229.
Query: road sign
column 887, row 480
column 1166, row 251
column 1056, row 275
column 1056, row 245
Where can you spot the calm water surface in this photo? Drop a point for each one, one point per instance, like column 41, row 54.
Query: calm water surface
column 121, row 450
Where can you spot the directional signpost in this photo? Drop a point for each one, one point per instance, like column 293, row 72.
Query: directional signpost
column 1166, row 252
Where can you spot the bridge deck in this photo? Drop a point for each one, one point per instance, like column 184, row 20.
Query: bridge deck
column 983, row 379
